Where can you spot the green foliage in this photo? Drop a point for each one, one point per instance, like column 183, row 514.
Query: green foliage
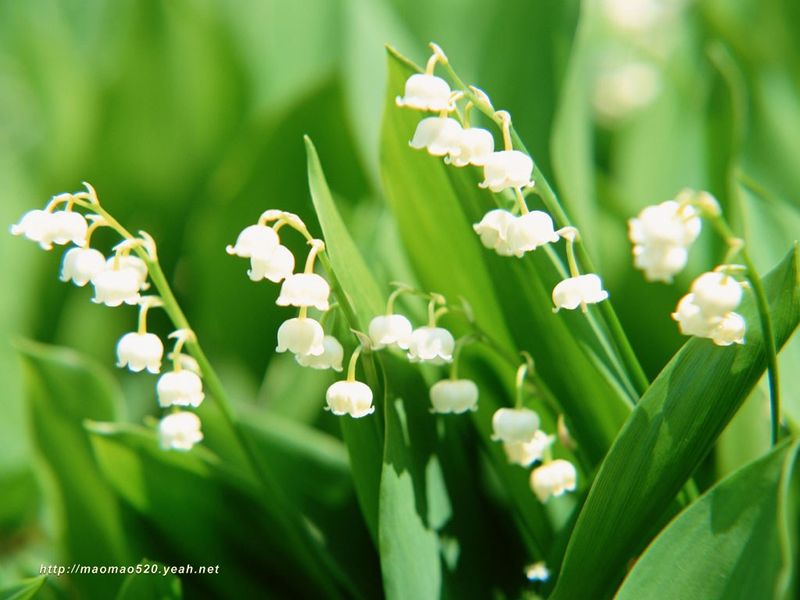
column 24, row 590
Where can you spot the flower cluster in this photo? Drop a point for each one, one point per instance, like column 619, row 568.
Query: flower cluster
column 708, row 309
column 117, row 280
column 509, row 233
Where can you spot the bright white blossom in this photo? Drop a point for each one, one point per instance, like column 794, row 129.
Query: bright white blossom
column 578, row 291
column 691, row 320
column 305, row 289
column 431, row 344
column 507, row 169
column 139, row 351
column 527, row 453
column 454, row 396
column 553, row 479
column 426, row 92
column 352, row 398
column 390, row 330
column 475, row 145
column 537, row 572
column 513, row 425
column 254, row 240
column 661, row 235
column 48, row 228
column 730, row 330
column 128, row 261
column 716, row 293
column 179, row 431
column 440, row 136
column 707, row 310
column 276, row 265
column 331, row 357
column 529, row 231
column 81, row 264
column 117, row 284
column 301, row 336
column 493, row 230
column 180, row 388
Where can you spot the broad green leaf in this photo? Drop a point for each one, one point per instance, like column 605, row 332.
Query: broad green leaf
column 360, row 299
column 148, row 583
column 727, row 545
column 205, row 514
column 24, row 590
column 63, row 390
column 669, row 432
column 435, row 206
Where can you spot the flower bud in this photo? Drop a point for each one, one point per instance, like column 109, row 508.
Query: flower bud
column 475, row 145
column 716, row 293
column 579, row 291
column 507, row 169
column 331, row 357
column 426, row 92
column 431, row 344
column 254, row 240
column 139, row 351
column 440, row 136
column 180, row 388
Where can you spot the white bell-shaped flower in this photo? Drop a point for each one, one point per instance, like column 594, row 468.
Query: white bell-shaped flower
column 513, row 425
column 180, row 388
column 81, row 264
column 33, row 225
column 128, row 261
column 660, row 263
column 507, row 169
column 527, row 453
column 254, row 240
column 493, row 230
column 730, row 330
column 579, row 291
column 139, row 351
column 386, row 331
column 440, row 136
column 331, row 357
column 475, row 145
column 352, row 398
column 431, row 344
column 529, row 231
column 454, row 396
column 116, row 284
column 537, row 572
column 665, row 224
column 691, row 320
column 304, row 289
column 553, row 479
column 716, row 293
column 301, row 336
column 48, row 228
column 426, row 92
column 179, row 431
column 276, row 266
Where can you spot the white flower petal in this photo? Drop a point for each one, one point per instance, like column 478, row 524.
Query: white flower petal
column 80, row 265
column 530, row 231
column 454, row 396
column 254, row 239
column 578, row 291
column 431, row 344
column 514, row 425
column 276, row 266
column 390, row 330
column 553, row 479
column 301, row 336
column 179, row 431
column 426, row 92
column 180, row 388
column 507, row 169
column 352, row 398
column 304, row 289
column 331, row 357
column 139, row 351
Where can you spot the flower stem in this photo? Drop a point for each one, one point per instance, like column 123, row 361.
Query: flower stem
column 553, row 206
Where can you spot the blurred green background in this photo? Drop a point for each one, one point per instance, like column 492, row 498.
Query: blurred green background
column 188, row 116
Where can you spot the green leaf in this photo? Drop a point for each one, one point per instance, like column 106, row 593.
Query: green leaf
column 728, row 543
column 206, row 514
column 24, row 590
column 435, row 206
column 360, row 299
column 152, row 582
column 670, row 431
column 63, row 390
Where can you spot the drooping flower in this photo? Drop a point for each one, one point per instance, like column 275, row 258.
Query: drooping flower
column 331, row 357
column 553, row 478
column 716, row 293
column 390, row 330
column 426, row 92
column 301, row 336
column 527, row 453
column 305, row 289
column 537, row 572
column 139, row 351
column 81, row 264
column 730, row 330
column 578, row 291
column 513, row 425
column 180, row 388
column 475, row 145
column 275, row 266
column 352, row 398
column 493, row 230
column 116, row 284
column 454, row 396
column 48, row 228
column 431, row 344
column 440, row 136
column 707, row 310
column 179, row 431
column 128, row 261
column 529, row 231
column 660, row 263
column 691, row 320
column 254, row 240
column 507, row 169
